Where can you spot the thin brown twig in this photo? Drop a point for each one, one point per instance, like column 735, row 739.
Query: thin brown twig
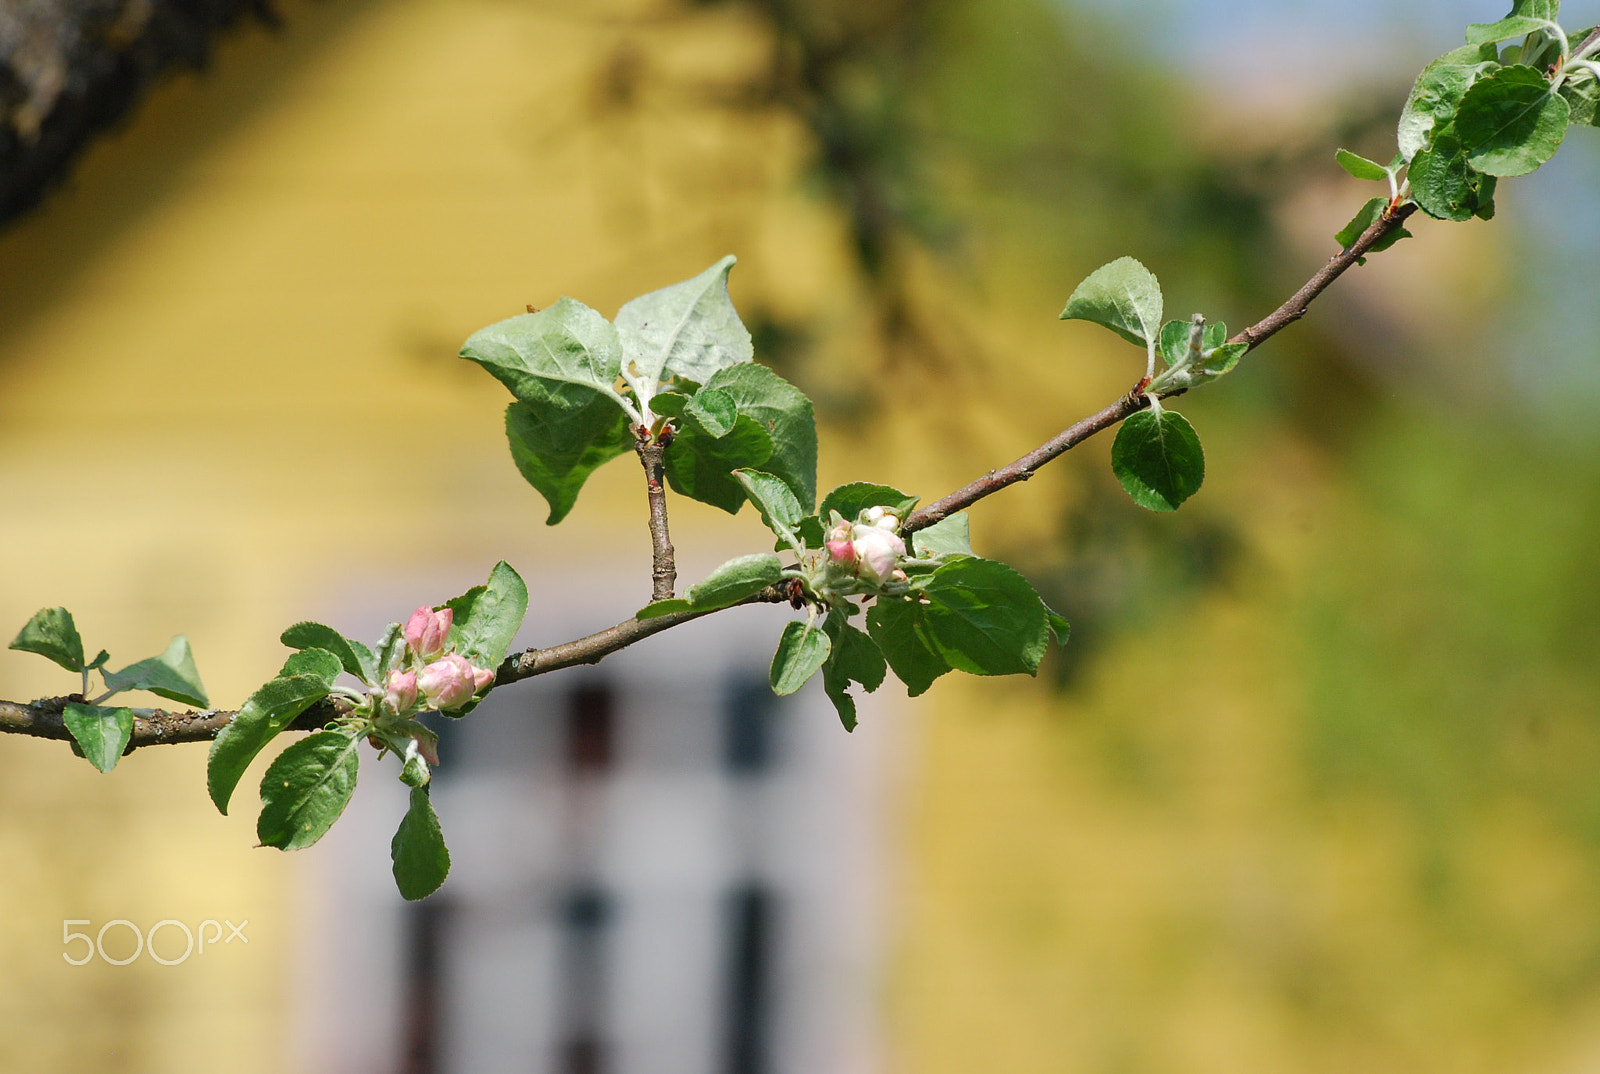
column 42, row 719
column 663, row 570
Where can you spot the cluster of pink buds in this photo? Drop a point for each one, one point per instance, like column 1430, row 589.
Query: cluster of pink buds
column 448, row 680
column 868, row 548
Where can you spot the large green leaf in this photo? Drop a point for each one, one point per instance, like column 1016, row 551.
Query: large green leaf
column 689, row 330
column 1157, row 457
column 897, row 625
column 562, row 435
column 306, row 788
column 265, row 713
column 1510, row 122
column 487, row 617
column 171, row 675
column 533, row 353
column 421, row 860
column 102, row 733
column 700, row 465
column 1437, row 93
column 353, row 656
column 802, row 649
column 1445, row 185
column 1123, row 296
column 51, row 633
column 984, row 618
column 785, row 413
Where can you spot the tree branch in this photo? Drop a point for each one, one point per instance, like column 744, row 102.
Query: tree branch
column 663, row 571
column 42, row 719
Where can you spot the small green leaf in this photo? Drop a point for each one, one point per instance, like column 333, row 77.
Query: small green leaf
column 487, row 617
column 984, row 618
column 689, row 329
column 897, row 625
column 1443, row 183
column 1060, row 629
column 1370, row 214
column 101, row 733
column 802, row 649
column 318, row 663
column 701, row 466
column 1123, row 296
column 852, row 657
column 51, row 633
column 779, row 509
column 265, row 713
column 561, row 435
column 1510, row 122
column 306, row 788
column 1227, row 355
column 1157, row 458
column 391, row 651
column 950, row 536
column 532, row 354
column 421, row 860
column 740, row 577
column 657, row 608
column 851, row 499
column 170, row 675
column 1582, row 94
column 714, row 410
column 353, row 656
column 1360, row 166
column 1480, row 33
column 784, row 412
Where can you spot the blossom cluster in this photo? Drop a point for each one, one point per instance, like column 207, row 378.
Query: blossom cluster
column 444, row 680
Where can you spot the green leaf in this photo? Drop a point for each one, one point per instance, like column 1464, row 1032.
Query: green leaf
column 265, row 713
column 559, row 436
column 51, row 633
column 779, row 509
column 170, row 675
column 1123, row 296
column 1437, row 92
column 101, row 733
column 1443, row 183
column 700, row 466
column 802, row 649
column 318, row 663
column 1360, row 166
column 714, row 410
column 532, row 354
column 689, row 329
column 740, row 577
column 1227, row 355
column 1480, row 33
column 897, row 625
column 950, row 536
column 1369, row 214
column 421, row 860
column 306, row 788
column 984, row 618
column 487, row 617
column 853, row 498
column 785, row 413
column 852, row 657
column 1583, row 99
column 391, row 651
column 1510, row 122
column 1157, row 458
column 657, row 608
column 1060, row 629
column 353, row 656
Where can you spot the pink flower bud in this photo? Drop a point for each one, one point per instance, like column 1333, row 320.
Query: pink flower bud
column 481, row 678
column 877, row 551
column 402, row 691
column 448, row 683
column 842, row 553
column 428, row 631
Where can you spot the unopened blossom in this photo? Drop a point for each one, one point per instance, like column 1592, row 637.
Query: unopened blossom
column 401, row 693
column 448, row 683
column 877, row 551
column 428, row 631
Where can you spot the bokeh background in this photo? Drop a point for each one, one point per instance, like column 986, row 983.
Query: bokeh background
column 1316, row 784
